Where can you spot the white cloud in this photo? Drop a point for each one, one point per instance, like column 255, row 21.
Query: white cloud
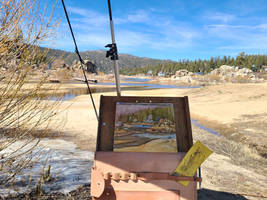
column 130, row 39
column 140, row 16
column 78, row 11
column 92, row 30
column 221, row 17
column 245, row 37
column 236, row 31
column 82, row 12
column 88, row 17
column 262, row 27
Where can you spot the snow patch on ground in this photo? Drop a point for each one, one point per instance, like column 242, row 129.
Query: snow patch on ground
column 70, row 167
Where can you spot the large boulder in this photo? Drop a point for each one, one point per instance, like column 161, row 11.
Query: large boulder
column 90, row 66
column 215, row 71
column 185, row 79
column 232, row 73
column 181, row 72
column 223, row 70
column 226, row 69
column 244, row 72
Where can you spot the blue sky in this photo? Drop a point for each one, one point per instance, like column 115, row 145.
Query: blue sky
column 170, row 29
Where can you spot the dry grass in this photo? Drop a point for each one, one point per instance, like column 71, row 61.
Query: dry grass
column 213, row 78
column 216, row 78
column 232, row 145
column 263, row 75
column 241, row 79
column 223, row 129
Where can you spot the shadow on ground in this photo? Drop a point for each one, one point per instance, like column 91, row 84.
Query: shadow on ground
column 84, row 193
column 206, row 194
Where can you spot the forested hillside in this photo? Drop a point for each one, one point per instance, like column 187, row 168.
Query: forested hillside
column 104, row 64
column 131, row 65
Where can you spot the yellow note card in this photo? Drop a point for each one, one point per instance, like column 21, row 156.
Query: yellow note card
column 196, row 155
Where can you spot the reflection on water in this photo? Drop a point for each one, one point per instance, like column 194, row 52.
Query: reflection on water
column 138, row 124
column 136, row 79
column 65, row 97
column 148, row 85
column 70, row 94
column 152, row 86
column 74, row 92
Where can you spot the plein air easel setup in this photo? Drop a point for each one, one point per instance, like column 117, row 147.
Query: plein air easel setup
column 141, row 175
column 125, row 169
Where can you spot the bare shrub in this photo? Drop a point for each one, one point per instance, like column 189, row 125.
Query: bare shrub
column 239, row 152
column 212, row 78
column 24, row 113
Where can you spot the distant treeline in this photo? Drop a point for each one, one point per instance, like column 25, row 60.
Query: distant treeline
column 253, row 62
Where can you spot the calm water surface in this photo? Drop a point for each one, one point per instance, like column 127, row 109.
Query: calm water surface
column 131, row 82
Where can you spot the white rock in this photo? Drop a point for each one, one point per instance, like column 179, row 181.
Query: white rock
column 182, row 72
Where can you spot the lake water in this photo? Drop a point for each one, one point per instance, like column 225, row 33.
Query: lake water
column 140, row 83
column 195, row 122
column 151, row 85
column 136, row 79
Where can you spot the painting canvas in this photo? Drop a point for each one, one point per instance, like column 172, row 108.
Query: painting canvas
column 144, row 127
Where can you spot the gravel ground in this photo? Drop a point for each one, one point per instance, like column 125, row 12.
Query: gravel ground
column 84, row 193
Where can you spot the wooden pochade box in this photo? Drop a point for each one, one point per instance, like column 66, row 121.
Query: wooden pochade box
column 140, row 175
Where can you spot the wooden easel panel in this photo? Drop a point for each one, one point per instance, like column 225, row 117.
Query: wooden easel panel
column 106, row 126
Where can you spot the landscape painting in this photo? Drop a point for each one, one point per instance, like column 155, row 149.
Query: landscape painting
column 144, row 127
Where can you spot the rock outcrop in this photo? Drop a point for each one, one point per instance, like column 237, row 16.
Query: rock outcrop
column 228, row 73
column 183, row 75
column 89, row 66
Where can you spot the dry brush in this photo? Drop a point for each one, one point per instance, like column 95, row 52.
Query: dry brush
column 25, row 115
